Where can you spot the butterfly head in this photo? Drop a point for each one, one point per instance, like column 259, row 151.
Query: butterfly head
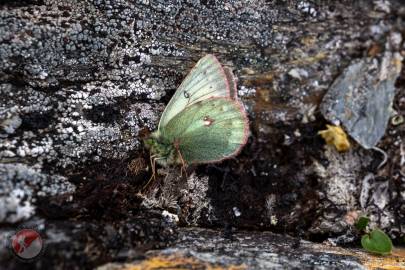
column 162, row 151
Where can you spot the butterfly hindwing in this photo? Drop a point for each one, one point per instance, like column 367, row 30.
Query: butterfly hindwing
column 209, row 130
column 206, row 80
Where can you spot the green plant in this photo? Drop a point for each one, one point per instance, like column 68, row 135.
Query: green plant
column 362, row 223
column 377, row 242
column 374, row 241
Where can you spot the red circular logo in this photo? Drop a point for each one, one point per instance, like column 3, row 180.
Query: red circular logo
column 27, row 244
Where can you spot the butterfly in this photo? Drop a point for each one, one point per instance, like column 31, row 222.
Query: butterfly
column 204, row 122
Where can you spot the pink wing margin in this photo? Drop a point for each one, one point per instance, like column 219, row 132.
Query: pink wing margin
column 246, row 130
column 233, row 93
column 246, row 133
column 233, row 96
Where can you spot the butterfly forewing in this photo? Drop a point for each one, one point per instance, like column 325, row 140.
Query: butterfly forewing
column 211, row 130
column 206, row 80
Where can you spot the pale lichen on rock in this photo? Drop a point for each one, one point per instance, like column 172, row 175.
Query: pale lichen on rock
column 21, row 186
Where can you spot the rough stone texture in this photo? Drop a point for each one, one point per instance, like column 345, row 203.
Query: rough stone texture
column 361, row 98
column 84, row 245
column 26, row 182
column 83, row 81
column 207, row 249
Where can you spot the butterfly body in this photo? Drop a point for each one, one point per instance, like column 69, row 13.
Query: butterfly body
column 162, row 149
column 204, row 122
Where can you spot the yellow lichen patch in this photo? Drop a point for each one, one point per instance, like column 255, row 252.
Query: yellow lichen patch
column 395, row 261
column 335, row 135
column 309, row 41
column 398, row 64
column 179, row 262
column 307, row 60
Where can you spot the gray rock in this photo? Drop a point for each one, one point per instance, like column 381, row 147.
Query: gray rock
column 206, row 249
column 259, row 251
column 9, row 124
column 21, row 186
column 77, row 244
column 361, row 98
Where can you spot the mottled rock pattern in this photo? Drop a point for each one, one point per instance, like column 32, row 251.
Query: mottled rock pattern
column 361, row 98
column 20, row 182
column 86, row 244
column 202, row 249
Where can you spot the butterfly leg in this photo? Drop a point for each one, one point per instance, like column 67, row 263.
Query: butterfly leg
column 153, row 165
column 152, row 160
column 183, row 164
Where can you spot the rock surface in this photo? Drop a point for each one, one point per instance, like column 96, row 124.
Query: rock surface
column 201, row 248
column 361, row 98
column 82, row 82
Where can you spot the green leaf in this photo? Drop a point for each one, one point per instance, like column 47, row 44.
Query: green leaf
column 377, row 242
column 362, row 223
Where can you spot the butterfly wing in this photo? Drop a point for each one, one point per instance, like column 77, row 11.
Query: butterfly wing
column 209, row 130
column 207, row 79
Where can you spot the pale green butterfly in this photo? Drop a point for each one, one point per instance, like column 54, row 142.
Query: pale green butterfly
column 204, row 121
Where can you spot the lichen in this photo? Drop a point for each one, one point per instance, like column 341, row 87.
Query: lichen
column 20, row 187
column 336, row 136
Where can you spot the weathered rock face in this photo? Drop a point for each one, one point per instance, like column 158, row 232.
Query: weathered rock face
column 83, row 81
column 83, row 245
column 361, row 99
column 205, row 249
